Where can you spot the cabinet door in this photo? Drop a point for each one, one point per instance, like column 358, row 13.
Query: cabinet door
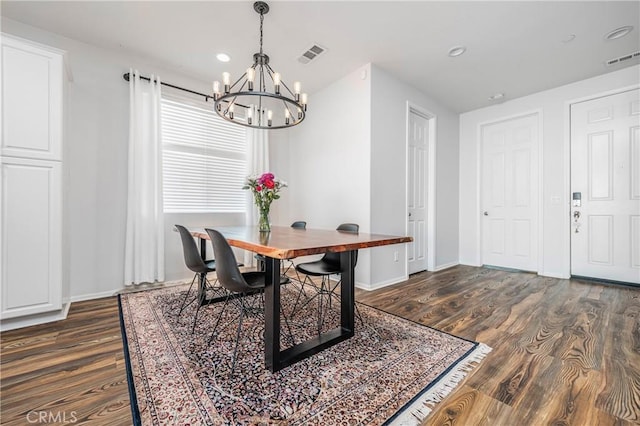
column 32, row 90
column 31, row 241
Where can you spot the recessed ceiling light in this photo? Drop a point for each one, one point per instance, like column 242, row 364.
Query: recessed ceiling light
column 496, row 96
column 223, row 57
column 618, row 33
column 457, row 51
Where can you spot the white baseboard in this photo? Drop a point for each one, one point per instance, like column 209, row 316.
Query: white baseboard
column 554, row 275
column 381, row 284
column 115, row 292
column 445, row 266
column 477, row 265
column 19, row 322
column 91, row 296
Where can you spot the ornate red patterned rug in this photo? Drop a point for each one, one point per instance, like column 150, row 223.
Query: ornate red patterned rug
column 393, row 371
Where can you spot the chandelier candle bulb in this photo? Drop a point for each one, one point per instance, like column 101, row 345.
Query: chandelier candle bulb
column 296, row 89
column 304, row 101
column 226, row 80
column 287, row 116
column 250, row 114
column 216, row 90
column 251, row 75
column 276, row 83
column 269, row 117
column 231, row 108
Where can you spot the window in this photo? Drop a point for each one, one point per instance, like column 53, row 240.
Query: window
column 204, row 159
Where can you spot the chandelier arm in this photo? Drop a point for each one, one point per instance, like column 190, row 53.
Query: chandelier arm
column 271, row 71
column 286, row 106
column 233, row 101
column 260, row 112
column 238, row 81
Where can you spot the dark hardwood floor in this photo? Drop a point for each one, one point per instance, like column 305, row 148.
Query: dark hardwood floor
column 565, row 352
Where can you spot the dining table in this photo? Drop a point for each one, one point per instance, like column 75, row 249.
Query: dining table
column 284, row 242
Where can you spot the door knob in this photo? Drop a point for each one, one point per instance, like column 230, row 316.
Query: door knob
column 486, row 213
column 576, row 215
column 409, row 214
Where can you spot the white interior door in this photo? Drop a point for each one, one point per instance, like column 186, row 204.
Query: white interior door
column 605, row 175
column 418, row 145
column 510, row 193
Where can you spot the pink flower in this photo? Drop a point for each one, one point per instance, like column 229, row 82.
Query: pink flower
column 266, row 177
column 258, row 188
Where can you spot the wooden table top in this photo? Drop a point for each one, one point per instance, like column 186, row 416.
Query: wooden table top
column 284, row 242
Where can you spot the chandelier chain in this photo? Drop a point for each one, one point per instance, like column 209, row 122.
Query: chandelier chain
column 261, row 21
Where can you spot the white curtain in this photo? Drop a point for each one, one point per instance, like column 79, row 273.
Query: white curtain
column 144, row 249
column 257, row 163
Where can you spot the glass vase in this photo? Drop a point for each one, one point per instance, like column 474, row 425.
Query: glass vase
column 263, row 221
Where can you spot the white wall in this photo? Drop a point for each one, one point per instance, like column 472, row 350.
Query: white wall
column 554, row 106
column 389, row 169
column 349, row 165
column 95, row 151
column 330, row 160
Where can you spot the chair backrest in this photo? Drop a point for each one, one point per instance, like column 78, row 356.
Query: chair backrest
column 334, row 258
column 227, row 271
column 191, row 253
column 299, row 224
column 348, row 227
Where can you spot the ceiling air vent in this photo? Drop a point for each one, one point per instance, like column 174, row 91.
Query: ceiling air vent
column 311, row 53
column 624, row 58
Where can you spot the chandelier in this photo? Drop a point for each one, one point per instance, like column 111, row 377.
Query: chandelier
column 267, row 101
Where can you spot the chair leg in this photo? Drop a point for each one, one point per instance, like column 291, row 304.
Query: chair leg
column 333, row 293
column 184, row 304
column 235, row 349
column 202, row 278
column 295, row 304
column 215, row 327
column 286, row 321
column 301, row 292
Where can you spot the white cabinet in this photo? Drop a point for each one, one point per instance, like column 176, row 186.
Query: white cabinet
column 32, row 87
column 31, row 236
column 31, row 182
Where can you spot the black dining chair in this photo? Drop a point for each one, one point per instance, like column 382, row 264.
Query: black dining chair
column 328, row 265
column 239, row 286
column 200, row 267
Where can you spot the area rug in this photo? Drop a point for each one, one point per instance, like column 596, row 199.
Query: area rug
column 393, row 371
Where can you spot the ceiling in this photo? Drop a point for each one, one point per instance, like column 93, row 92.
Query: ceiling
column 515, row 48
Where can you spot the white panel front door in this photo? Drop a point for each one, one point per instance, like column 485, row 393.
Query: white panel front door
column 417, row 194
column 510, row 193
column 605, row 175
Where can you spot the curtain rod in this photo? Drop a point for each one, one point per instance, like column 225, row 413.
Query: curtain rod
column 126, row 76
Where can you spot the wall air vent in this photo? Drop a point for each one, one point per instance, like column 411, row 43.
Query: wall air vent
column 634, row 55
column 311, row 54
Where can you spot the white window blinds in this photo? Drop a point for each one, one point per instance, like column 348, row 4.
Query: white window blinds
column 204, row 159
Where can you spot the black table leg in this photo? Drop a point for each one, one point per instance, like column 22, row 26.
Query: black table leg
column 272, row 314
column 202, row 281
column 277, row 360
column 347, row 293
column 203, row 249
